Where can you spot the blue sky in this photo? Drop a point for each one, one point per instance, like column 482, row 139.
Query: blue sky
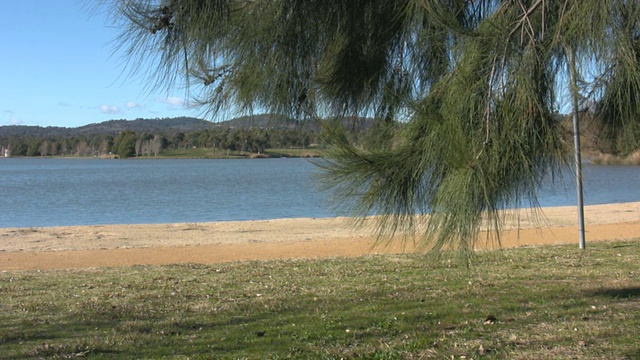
column 58, row 68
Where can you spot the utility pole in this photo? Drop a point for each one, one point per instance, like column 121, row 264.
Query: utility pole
column 576, row 144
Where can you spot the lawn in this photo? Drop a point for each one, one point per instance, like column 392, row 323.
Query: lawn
column 553, row 302
column 296, row 152
column 200, row 153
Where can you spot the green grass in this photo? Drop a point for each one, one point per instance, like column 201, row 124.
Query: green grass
column 200, row 153
column 295, row 152
column 549, row 302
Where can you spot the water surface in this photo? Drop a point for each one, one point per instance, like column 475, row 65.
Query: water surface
column 50, row 192
column 53, row 192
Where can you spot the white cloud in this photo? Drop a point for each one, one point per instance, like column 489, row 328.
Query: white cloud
column 109, row 109
column 175, row 101
column 134, row 105
column 14, row 121
column 10, row 118
column 64, row 104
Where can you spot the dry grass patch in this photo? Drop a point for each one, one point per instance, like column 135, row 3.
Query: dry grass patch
column 527, row 303
column 610, row 159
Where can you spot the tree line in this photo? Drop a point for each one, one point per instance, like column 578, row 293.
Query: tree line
column 366, row 134
column 133, row 144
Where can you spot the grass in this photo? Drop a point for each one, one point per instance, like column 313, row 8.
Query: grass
column 296, row 152
column 552, row 302
column 201, row 153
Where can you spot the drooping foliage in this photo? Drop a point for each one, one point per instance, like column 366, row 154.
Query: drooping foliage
column 474, row 85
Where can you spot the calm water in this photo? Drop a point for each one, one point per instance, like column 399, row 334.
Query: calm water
column 49, row 192
column 52, row 192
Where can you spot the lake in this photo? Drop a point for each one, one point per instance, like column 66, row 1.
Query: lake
column 54, row 192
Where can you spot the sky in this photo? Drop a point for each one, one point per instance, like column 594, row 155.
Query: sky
column 58, row 68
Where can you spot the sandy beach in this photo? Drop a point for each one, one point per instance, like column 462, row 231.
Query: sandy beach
column 71, row 247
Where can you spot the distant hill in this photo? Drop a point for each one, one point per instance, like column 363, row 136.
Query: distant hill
column 109, row 127
column 35, row 131
column 283, row 122
column 260, row 121
column 183, row 124
column 145, row 125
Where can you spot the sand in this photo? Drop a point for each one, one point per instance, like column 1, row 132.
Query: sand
column 72, row 247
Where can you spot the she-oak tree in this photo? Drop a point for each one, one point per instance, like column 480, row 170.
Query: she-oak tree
column 475, row 86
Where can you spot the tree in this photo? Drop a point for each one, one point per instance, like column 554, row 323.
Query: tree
column 156, row 145
column 475, row 84
column 84, row 149
column 106, row 143
column 34, row 147
column 18, row 147
column 125, row 144
column 44, row 148
column 257, row 140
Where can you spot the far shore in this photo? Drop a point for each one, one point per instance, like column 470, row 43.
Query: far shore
column 199, row 153
column 69, row 247
column 589, row 157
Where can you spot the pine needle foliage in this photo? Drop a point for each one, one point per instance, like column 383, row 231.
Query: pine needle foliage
column 475, row 86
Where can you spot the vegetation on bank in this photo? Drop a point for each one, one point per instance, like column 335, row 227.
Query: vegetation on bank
column 610, row 159
column 552, row 302
column 241, row 137
column 128, row 143
column 259, row 136
column 204, row 153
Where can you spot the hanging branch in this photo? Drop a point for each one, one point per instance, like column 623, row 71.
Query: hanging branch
column 525, row 18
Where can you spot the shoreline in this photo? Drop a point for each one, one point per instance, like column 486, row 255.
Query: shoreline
column 70, row 247
column 312, row 153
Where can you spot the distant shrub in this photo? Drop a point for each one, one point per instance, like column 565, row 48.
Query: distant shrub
column 610, row 159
